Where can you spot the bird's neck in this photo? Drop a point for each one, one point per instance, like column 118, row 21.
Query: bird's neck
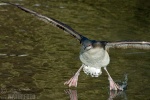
column 94, row 53
column 96, row 50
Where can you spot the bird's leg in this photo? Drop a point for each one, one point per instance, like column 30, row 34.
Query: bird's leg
column 113, row 85
column 73, row 81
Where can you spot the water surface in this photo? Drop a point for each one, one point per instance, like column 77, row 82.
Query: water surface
column 37, row 58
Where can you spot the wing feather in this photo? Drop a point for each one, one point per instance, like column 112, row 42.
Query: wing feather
column 128, row 44
column 54, row 22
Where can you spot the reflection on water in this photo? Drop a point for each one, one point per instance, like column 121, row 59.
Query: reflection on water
column 117, row 94
column 72, row 94
column 11, row 55
column 112, row 95
column 2, row 4
column 15, row 94
column 37, row 58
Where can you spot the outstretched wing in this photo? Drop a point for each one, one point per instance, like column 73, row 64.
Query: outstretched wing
column 54, row 22
column 128, row 44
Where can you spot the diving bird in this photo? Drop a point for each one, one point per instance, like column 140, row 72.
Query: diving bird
column 93, row 54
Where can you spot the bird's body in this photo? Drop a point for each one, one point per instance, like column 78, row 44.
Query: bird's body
column 93, row 60
column 93, row 54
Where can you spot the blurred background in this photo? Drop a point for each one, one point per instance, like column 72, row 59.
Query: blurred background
column 37, row 58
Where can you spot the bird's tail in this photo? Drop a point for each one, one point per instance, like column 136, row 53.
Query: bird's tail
column 94, row 72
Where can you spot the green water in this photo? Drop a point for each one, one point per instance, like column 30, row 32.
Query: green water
column 37, row 58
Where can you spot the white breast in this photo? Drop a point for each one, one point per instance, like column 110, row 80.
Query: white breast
column 96, row 57
column 93, row 60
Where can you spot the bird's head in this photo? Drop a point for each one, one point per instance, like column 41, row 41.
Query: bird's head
column 89, row 44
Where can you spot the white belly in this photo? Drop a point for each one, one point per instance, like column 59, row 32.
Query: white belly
column 93, row 60
column 96, row 57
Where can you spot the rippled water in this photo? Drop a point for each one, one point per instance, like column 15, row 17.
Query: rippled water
column 37, row 58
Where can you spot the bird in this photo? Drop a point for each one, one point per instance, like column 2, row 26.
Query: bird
column 93, row 53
